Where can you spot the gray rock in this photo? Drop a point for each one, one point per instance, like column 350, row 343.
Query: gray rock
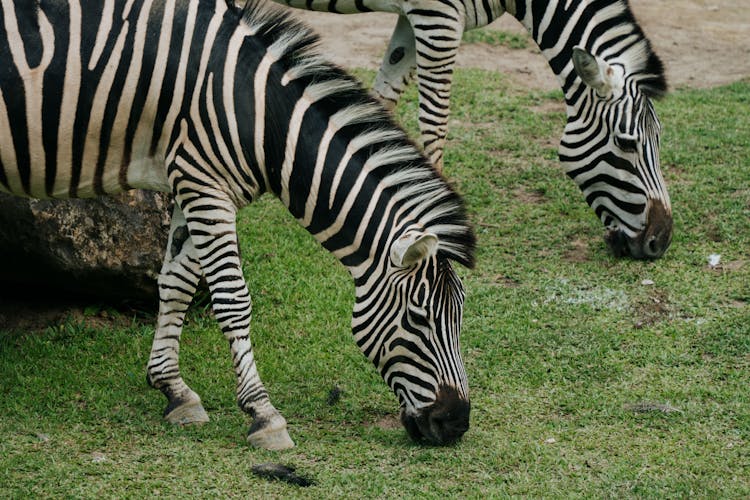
column 108, row 248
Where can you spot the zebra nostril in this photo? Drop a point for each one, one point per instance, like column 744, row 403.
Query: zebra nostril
column 652, row 245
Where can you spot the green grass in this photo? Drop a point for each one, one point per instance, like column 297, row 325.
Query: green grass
column 496, row 38
column 562, row 342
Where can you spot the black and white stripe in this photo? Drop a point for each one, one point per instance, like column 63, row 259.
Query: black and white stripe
column 219, row 105
column 611, row 144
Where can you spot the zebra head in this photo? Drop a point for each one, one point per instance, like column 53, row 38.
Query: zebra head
column 610, row 147
column 408, row 325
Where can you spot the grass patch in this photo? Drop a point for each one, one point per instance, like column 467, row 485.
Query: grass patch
column 585, row 381
column 496, row 38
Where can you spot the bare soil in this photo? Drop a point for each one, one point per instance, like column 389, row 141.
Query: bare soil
column 703, row 43
column 26, row 314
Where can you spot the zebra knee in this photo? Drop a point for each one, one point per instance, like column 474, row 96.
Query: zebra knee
column 179, row 236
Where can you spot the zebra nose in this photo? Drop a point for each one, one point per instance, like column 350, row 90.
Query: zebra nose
column 656, row 237
column 443, row 422
column 651, row 242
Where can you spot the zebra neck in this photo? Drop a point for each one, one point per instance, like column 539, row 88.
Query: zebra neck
column 334, row 157
column 358, row 191
column 366, row 190
column 355, row 213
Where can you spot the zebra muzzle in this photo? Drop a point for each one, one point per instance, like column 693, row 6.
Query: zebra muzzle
column 651, row 242
column 443, row 422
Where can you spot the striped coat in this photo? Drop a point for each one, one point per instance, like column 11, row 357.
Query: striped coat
column 218, row 106
column 605, row 67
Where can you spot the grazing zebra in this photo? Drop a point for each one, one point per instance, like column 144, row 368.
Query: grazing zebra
column 218, row 105
column 606, row 69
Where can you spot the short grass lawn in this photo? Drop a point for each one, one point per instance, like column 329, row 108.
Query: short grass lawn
column 590, row 376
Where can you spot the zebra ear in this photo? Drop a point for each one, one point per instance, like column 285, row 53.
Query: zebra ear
column 595, row 72
column 413, row 247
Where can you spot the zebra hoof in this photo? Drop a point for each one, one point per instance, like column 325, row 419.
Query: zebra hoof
column 187, row 413
column 270, row 435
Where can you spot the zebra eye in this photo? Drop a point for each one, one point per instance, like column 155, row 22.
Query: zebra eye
column 418, row 315
column 627, row 144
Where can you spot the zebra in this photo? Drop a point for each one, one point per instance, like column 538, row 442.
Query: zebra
column 609, row 75
column 218, row 105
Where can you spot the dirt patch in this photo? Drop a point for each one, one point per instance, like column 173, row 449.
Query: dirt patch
column 578, row 251
column 23, row 316
column 550, row 106
column 738, row 303
column 28, row 316
column 729, row 266
column 506, row 281
column 651, row 310
column 529, row 196
column 651, row 407
column 386, row 422
column 703, row 43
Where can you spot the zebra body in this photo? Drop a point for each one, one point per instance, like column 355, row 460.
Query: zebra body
column 218, row 105
column 605, row 67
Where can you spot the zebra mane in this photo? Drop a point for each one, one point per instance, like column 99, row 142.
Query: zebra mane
column 393, row 161
column 640, row 56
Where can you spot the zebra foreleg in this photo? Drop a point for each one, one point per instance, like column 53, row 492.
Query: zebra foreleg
column 213, row 232
column 438, row 36
column 398, row 65
column 178, row 280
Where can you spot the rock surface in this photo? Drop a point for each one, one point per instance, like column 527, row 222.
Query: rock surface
column 109, row 249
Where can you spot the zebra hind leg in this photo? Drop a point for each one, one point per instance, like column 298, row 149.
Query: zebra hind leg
column 398, row 65
column 213, row 231
column 178, row 280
